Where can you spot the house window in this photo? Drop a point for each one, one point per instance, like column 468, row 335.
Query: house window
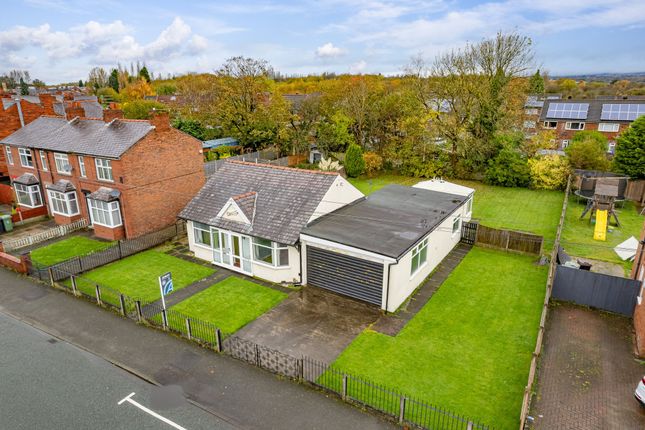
column 81, row 166
column 272, row 253
column 550, row 124
column 608, row 127
column 574, row 126
column 611, row 147
column 469, row 205
column 62, row 164
column 456, row 224
column 565, row 144
column 202, row 234
column 531, row 111
column 9, row 155
column 104, row 169
column 106, row 214
column 63, row 203
column 26, row 159
column 529, row 124
column 419, row 257
column 43, row 160
column 28, row 195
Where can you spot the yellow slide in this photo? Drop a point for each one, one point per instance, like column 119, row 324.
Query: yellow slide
column 600, row 231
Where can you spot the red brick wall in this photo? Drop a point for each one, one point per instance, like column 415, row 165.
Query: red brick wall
column 562, row 134
column 26, row 213
column 639, row 312
column 6, row 194
column 20, row 265
column 109, row 233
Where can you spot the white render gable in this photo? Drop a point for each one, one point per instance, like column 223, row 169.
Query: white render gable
column 232, row 212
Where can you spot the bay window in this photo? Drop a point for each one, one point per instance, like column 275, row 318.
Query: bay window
column 107, row 214
column 202, row 234
column 26, row 159
column 63, row 203
column 419, row 257
column 104, row 169
column 28, row 195
column 62, row 164
column 271, row 253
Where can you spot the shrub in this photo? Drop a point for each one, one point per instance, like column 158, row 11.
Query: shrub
column 588, row 150
column 630, row 150
column 140, row 109
column 508, row 169
column 354, row 161
column 549, row 172
column 373, row 162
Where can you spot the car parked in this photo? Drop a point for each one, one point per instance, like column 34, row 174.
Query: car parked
column 640, row 392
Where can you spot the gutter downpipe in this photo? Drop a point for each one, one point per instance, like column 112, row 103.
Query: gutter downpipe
column 387, row 288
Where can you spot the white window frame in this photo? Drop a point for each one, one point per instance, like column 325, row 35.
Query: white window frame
column 200, row 227
column 61, row 160
column 81, row 166
column 110, row 212
column 29, row 191
column 43, row 160
column 547, row 125
column 456, row 222
column 276, row 249
column 469, row 205
column 613, row 127
column 26, row 158
column 104, row 169
column 7, row 150
column 569, row 125
column 565, row 143
column 420, row 255
column 529, row 124
column 531, row 111
column 58, row 198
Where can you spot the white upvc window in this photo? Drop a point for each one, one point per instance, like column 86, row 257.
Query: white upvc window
column 456, row 224
column 64, row 204
column 419, row 257
column 62, row 164
column 469, row 205
column 81, row 166
column 611, row 147
column 611, row 127
column 104, row 169
column 202, row 235
column 565, row 143
column 550, row 124
column 26, row 159
column 28, row 195
column 107, row 214
column 574, row 126
column 271, row 253
column 531, row 111
column 43, row 160
column 7, row 150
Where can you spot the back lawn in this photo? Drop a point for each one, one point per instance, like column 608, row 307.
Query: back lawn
column 577, row 235
column 469, row 349
column 75, row 246
column 137, row 276
column 521, row 209
column 231, row 303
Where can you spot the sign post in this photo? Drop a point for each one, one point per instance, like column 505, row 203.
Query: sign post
column 165, row 285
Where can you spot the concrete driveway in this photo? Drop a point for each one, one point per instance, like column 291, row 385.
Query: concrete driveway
column 588, row 372
column 312, row 322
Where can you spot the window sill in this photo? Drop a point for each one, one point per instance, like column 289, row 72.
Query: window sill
column 27, row 167
column 30, row 207
column 106, row 226
column 64, row 173
column 65, row 215
column 111, row 181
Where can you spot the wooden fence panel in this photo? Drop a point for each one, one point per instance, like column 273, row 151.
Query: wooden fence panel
column 509, row 240
column 635, row 191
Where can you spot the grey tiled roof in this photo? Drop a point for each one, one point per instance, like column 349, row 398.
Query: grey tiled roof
column 26, row 179
column 246, row 202
column 62, row 186
column 285, row 200
column 93, row 109
column 105, row 194
column 89, row 137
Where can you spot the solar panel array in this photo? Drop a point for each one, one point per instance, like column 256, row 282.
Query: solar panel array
column 622, row 112
column 568, row 110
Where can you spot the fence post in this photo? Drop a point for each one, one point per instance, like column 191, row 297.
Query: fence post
column 139, row 313
column 98, row 294
column 74, row 289
column 301, row 369
column 164, row 319
column 218, row 340
column 120, row 252
column 508, row 239
column 80, row 263
column 122, row 303
column 470, row 425
column 51, row 276
column 189, row 329
column 257, row 355
column 402, row 409
column 344, row 390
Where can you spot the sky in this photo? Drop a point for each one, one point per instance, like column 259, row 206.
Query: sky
column 60, row 41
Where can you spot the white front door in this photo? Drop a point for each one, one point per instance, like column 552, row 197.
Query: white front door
column 232, row 250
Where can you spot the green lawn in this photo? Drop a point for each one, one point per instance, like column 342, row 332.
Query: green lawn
column 577, row 235
column 469, row 349
column 137, row 276
column 231, row 303
column 498, row 207
column 75, row 246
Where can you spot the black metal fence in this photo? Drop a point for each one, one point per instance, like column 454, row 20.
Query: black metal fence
column 404, row 409
column 121, row 249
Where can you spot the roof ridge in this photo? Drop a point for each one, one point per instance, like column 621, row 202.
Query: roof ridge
column 248, row 163
column 244, row 195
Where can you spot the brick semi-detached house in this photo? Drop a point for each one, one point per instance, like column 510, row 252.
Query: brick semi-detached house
column 127, row 177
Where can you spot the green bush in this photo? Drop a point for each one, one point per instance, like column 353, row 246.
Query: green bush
column 354, row 161
column 588, row 150
column 549, row 172
column 140, row 109
column 508, row 169
column 630, row 150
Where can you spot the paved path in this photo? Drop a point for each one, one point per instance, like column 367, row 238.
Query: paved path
column 588, row 372
column 244, row 395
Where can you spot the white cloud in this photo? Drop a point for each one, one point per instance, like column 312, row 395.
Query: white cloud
column 328, row 50
column 358, row 67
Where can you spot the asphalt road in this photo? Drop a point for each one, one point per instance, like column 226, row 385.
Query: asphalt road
column 49, row 383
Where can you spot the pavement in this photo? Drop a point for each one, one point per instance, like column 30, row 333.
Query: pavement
column 240, row 394
column 588, row 372
column 49, row 383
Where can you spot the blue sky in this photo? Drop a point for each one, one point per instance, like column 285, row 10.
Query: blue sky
column 61, row 40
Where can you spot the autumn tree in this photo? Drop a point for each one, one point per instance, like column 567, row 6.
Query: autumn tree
column 137, row 90
column 97, row 78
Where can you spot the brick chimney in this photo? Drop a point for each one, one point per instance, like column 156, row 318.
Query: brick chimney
column 47, row 100
column 112, row 112
column 74, row 109
column 161, row 120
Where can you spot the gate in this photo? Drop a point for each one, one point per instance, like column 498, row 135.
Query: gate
column 469, row 232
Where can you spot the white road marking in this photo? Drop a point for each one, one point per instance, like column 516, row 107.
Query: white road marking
column 128, row 399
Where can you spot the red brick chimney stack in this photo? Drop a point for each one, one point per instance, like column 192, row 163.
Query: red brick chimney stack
column 161, row 120
column 74, row 109
column 112, row 112
column 47, row 100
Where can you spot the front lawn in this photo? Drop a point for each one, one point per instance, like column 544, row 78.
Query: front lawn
column 231, row 303
column 469, row 349
column 75, row 246
column 577, row 234
column 137, row 276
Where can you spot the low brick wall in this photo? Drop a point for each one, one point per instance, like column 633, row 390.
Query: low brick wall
column 29, row 213
column 19, row 264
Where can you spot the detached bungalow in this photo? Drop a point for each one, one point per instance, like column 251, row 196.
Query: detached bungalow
column 315, row 228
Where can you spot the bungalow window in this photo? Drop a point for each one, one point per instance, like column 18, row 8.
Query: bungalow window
column 202, row 234
column 550, row 124
column 104, row 169
column 469, row 205
column 272, row 253
column 419, row 257
column 9, row 155
column 63, row 203
column 62, row 164
column 28, row 195
column 608, row 127
column 43, row 160
column 574, row 126
column 81, row 166
column 106, row 214
column 26, row 159
column 456, row 224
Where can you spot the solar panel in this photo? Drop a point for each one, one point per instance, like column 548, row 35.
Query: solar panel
column 568, row 110
column 622, row 111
